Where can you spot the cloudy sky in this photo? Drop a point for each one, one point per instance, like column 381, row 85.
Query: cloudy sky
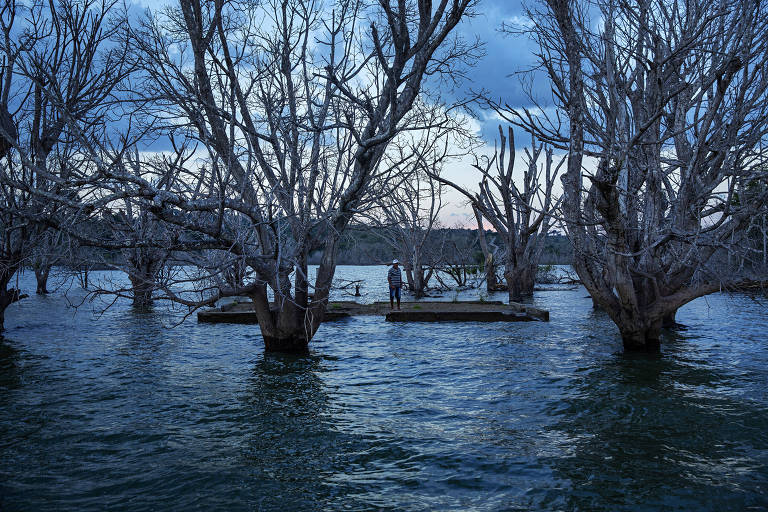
column 495, row 73
column 504, row 55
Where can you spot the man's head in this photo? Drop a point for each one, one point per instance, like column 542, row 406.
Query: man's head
column 395, row 263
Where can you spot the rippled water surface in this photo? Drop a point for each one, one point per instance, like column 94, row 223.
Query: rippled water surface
column 119, row 412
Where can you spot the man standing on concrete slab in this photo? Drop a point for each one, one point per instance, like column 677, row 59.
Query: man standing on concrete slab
column 395, row 279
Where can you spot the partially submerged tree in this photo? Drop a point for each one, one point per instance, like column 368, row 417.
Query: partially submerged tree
column 408, row 210
column 460, row 258
column 134, row 223
column 521, row 211
column 408, row 216
column 667, row 106
column 753, row 251
column 48, row 250
column 294, row 115
column 14, row 229
column 56, row 80
column 490, row 253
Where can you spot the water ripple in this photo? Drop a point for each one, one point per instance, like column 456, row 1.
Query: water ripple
column 118, row 412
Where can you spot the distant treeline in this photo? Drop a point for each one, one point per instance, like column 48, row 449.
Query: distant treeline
column 363, row 245
column 369, row 246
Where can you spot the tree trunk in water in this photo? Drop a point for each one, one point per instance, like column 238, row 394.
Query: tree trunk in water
column 288, row 344
column 520, row 281
column 282, row 325
column 408, row 270
column 142, row 286
column 7, row 297
column 418, row 282
column 289, row 325
column 529, row 279
column 635, row 307
column 639, row 336
column 41, row 275
column 669, row 321
column 515, row 293
column 491, row 284
column 143, row 271
column 291, row 329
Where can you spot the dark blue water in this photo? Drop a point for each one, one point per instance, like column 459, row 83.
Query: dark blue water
column 118, row 412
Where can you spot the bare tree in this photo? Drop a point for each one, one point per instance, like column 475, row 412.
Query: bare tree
column 49, row 249
column 490, row 253
column 521, row 216
column 408, row 216
column 57, row 76
column 753, row 252
column 460, row 258
column 134, row 223
column 408, row 210
column 293, row 115
column 14, row 233
column 666, row 106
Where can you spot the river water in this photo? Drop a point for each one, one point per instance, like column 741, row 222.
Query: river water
column 116, row 411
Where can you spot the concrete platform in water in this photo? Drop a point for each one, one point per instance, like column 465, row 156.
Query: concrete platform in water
column 427, row 311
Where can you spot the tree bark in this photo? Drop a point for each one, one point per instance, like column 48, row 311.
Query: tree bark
column 4, row 303
column 141, row 289
column 144, row 267
column 419, row 283
column 520, row 277
column 41, row 275
column 409, row 277
column 7, row 297
column 290, row 323
column 416, row 277
column 640, row 335
column 491, row 283
column 286, row 344
column 640, row 327
column 669, row 321
column 283, row 326
column 142, row 275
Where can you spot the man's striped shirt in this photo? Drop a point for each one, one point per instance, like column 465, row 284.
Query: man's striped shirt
column 395, row 278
